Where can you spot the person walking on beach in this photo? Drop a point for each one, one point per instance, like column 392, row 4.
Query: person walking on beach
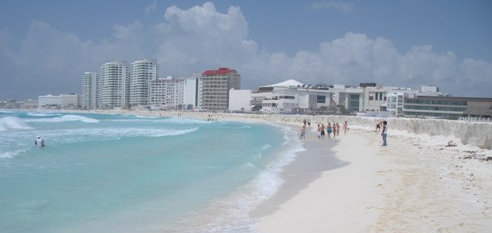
column 338, row 129
column 345, row 127
column 329, row 130
column 318, row 132
column 384, row 132
column 322, row 130
column 303, row 133
column 334, row 129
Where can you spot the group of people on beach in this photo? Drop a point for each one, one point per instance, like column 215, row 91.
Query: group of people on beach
column 330, row 130
column 333, row 130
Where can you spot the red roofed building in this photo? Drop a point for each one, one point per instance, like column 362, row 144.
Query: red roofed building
column 220, row 71
column 214, row 86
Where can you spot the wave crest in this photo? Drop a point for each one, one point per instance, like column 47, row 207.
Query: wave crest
column 65, row 118
column 12, row 123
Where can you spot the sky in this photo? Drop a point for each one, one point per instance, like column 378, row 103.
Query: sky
column 45, row 46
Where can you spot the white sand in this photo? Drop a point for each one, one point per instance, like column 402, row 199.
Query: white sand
column 405, row 187
column 341, row 200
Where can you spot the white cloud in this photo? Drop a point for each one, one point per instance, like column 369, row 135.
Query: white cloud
column 342, row 6
column 203, row 37
column 191, row 40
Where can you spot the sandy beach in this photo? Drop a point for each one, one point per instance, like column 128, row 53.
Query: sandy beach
column 418, row 183
column 405, row 187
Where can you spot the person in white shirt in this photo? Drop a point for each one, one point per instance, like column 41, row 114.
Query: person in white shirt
column 39, row 141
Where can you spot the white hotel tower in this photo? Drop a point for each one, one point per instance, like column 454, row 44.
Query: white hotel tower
column 89, row 90
column 142, row 73
column 113, row 85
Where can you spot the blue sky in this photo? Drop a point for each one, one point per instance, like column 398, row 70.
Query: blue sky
column 46, row 45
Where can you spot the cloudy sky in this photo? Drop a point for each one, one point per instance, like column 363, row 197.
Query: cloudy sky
column 45, row 46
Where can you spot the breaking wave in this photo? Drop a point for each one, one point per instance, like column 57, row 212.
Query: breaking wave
column 42, row 114
column 231, row 214
column 12, row 123
column 65, row 118
column 78, row 135
column 177, row 120
column 11, row 154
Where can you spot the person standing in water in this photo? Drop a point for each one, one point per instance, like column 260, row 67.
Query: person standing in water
column 384, row 132
column 345, row 127
column 39, row 141
column 303, row 132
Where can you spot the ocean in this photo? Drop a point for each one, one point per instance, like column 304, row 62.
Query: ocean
column 123, row 173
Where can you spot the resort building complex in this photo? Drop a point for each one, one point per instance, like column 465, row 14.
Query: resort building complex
column 139, row 85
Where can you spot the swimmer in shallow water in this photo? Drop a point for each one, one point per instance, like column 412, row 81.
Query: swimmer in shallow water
column 39, row 141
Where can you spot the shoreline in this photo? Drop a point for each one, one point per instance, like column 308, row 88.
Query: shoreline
column 335, row 197
column 307, row 167
column 405, row 187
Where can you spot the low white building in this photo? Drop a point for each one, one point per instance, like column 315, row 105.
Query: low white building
column 58, row 101
column 291, row 96
column 370, row 98
column 347, row 99
column 69, row 100
column 374, row 97
column 240, row 100
column 45, row 101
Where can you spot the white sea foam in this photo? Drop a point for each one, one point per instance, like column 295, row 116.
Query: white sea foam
column 179, row 120
column 86, row 134
column 265, row 147
column 65, row 118
column 243, row 127
column 11, row 154
column 12, row 123
column 42, row 114
column 147, row 117
column 231, row 214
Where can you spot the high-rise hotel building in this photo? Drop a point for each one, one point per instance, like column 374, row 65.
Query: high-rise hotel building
column 142, row 73
column 89, row 90
column 214, row 86
column 113, row 85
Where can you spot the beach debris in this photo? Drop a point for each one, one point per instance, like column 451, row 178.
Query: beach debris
column 451, row 143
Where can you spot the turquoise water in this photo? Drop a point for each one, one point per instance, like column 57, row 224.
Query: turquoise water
column 118, row 173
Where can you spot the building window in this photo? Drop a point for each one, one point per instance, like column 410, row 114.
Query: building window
column 353, row 102
column 320, row 99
